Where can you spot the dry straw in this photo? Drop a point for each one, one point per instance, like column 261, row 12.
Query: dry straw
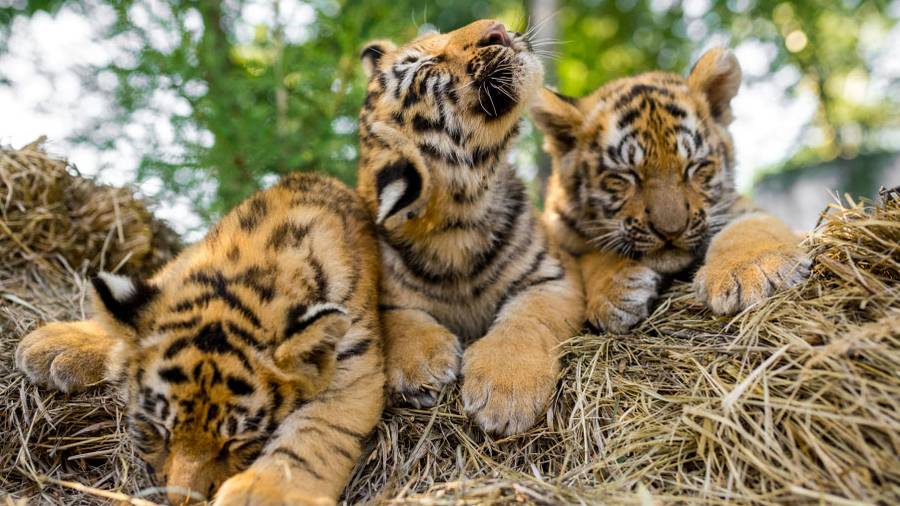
column 796, row 400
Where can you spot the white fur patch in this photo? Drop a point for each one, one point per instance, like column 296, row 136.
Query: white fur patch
column 313, row 310
column 389, row 196
column 120, row 287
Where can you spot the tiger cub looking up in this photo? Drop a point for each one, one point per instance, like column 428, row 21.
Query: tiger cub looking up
column 643, row 186
column 252, row 360
column 464, row 258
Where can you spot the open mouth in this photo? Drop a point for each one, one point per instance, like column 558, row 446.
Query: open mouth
column 498, row 67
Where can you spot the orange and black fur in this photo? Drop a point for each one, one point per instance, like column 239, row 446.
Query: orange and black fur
column 643, row 187
column 465, row 261
column 253, row 360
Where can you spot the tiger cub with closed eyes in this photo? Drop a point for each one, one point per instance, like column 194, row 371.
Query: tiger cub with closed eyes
column 252, row 361
column 464, row 258
column 643, row 187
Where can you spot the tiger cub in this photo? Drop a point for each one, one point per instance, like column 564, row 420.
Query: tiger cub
column 252, row 360
column 464, row 258
column 643, row 187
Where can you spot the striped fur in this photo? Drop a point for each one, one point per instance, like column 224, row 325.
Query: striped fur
column 253, row 359
column 464, row 258
column 643, row 188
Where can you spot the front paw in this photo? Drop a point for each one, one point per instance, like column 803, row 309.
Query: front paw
column 625, row 301
column 419, row 368
column 67, row 356
column 270, row 485
column 732, row 283
column 505, row 390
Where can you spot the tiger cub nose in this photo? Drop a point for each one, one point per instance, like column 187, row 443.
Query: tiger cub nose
column 668, row 222
column 496, row 35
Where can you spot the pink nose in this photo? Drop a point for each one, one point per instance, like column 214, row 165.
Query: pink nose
column 496, row 35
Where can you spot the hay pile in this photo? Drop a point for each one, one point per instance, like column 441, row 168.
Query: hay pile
column 797, row 400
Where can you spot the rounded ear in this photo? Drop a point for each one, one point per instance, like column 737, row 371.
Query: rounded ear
column 717, row 76
column 373, row 52
column 122, row 300
column 402, row 181
column 558, row 117
column 307, row 356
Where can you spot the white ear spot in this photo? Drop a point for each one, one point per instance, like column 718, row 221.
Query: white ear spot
column 120, row 287
column 389, row 196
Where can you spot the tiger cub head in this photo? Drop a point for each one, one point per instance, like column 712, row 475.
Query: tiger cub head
column 643, row 167
column 206, row 387
column 442, row 106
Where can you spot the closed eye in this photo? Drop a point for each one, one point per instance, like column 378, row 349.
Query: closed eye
column 696, row 166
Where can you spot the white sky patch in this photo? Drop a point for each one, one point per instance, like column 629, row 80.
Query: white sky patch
column 296, row 18
column 768, row 123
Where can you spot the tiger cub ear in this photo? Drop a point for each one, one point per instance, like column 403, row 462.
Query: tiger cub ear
column 121, row 300
column 373, row 52
column 402, row 183
column 308, row 354
column 559, row 118
column 717, row 76
column 398, row 185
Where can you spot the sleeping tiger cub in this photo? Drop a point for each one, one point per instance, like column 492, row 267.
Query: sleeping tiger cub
column 643, row 186
column 252, row 360
column 464, row 259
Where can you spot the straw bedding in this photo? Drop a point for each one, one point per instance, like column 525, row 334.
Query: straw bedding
column 796, row 400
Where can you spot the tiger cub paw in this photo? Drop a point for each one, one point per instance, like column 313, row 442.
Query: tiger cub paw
column 729, row 284
column 268, row 485
column 417, row 369
column 504, row 393
column 67, row 356
column 625, row 301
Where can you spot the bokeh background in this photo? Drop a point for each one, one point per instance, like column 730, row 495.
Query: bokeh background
column 198, row 103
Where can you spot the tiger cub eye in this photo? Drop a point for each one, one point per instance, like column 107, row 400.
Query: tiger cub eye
column 615, row 183
column 702, row 172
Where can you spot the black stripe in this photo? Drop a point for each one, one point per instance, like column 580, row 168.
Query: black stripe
column 628, row 118
column 675, row 111
column 296, row 326
column 238, row 386
column 358, row 348
column 173, row 374
column 509, row 296
column 640, row 89
column 422, row 124
column 178, row 325
column 297, row 460
column 176, row 347
column 219, row 284
column 243, row 335
column 335, row 427
column 251, row 217
column 212, row 339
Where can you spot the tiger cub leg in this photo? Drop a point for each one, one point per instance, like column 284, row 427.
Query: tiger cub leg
column 618, row 290
column 751, row 258
column 69, row 356
column 510, row 374
column 422, row 355
column 309, row 458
